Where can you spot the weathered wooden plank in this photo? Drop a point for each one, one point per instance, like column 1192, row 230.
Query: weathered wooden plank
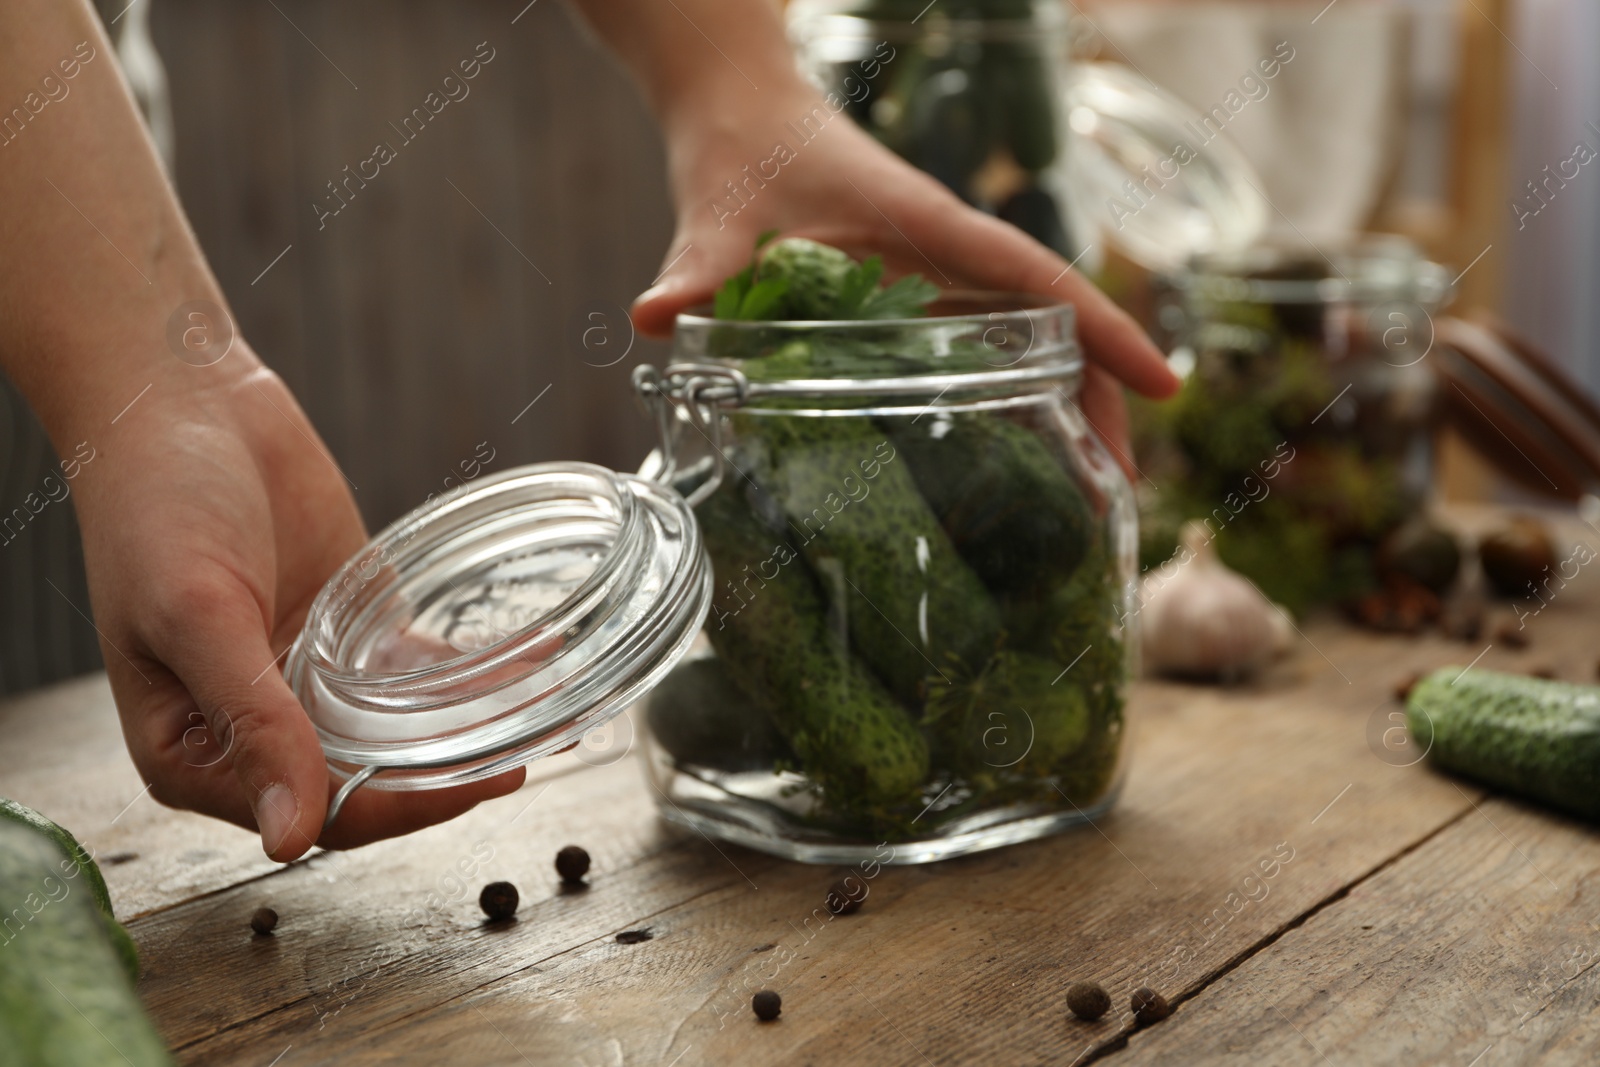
column 1478, row 948
column 961, row 962
column 973, row 954
column 969, row 959
column 64, row 756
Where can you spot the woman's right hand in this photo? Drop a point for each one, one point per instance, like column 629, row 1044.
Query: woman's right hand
column 211, row 517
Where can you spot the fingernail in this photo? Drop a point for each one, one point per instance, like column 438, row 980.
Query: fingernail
column 276, row 810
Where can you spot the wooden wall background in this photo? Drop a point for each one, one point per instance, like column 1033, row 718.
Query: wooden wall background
column 411, row 329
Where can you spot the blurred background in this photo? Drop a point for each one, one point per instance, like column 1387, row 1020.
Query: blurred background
column 466, row 311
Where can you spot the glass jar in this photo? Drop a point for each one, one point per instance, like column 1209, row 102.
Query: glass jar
column 969, row 91
column 1303, row 433
column 923, row 567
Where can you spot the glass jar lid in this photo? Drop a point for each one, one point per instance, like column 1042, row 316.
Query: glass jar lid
column 497, row 623
column 1144, row 169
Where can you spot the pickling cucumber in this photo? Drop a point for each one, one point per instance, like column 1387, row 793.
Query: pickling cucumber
column 1536, row 738
column 913, row 607
column 769, row 625
column 1009, row 718
column 701, row 716
column 78, row 861
column 64, row 999
column 1011, row 511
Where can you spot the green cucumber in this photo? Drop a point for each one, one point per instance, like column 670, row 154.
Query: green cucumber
column 21, row 813
column 769, row 626
column 64, row 999
column 1010, row 509
column 1009, row 718
column 701, row 716
column 914, row 608
column 1536, row 738
column 78, row 860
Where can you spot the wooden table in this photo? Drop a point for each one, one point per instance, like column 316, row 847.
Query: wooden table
column 1409, row 919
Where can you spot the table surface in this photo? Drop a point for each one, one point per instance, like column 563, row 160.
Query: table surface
column 1409, row 918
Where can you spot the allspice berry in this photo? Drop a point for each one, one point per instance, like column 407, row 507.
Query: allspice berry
column 572, row 863
column 846, row 896
column 1088, row 1000
column 1149, row 1006
column 264, row 921
column 766, row 1004
column 499, row 901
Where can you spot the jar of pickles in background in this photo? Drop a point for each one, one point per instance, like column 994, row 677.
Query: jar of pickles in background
column 923, row 568
column 970, row 91
column 1302, row 436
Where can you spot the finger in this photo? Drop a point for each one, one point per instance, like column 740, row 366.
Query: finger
column 1103, row 406
column 996, row 255
column 210, row 631
column 371, row 814
column 689, row 276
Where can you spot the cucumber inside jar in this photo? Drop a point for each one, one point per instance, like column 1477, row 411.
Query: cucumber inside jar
column 921, row 610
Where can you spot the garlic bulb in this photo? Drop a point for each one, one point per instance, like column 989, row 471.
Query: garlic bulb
column 1200, row 619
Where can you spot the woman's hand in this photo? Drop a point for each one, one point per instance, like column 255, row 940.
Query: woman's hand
column 843, row 188
column 211, row 518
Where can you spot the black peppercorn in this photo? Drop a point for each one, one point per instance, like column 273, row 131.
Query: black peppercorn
column 1511, row 636
column 264, row 921
column 1088, row 1000
column 1149, row 1006
column 499, row 901
column 766, row 1005
column 572, row 863
column 845, row 896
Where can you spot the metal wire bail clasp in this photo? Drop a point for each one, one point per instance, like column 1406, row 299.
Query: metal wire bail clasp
column 697, row 390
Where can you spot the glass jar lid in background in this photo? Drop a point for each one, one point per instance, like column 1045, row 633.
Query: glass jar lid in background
column 497, row 623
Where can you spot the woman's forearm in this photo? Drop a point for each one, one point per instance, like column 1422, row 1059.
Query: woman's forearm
column 699, row 60
column 95, row 254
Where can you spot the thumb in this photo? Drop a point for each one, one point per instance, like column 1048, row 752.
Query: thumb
column 225, row 661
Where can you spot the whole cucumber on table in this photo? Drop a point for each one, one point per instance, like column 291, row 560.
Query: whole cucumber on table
column 77, row 861
column 769, row 626
column 913, row 607
column 64, row 996
column 1536, row 738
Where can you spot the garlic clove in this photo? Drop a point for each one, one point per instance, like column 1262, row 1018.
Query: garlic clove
column 1201, row 619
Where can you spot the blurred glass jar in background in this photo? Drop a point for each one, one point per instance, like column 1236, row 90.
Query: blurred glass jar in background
column 923, row 568
column 1303, row 431
column 970, row 91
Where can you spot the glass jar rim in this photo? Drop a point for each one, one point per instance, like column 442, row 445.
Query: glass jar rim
column 1365, row 270
column 994, row 302
column 997, row 319
column 835, row 20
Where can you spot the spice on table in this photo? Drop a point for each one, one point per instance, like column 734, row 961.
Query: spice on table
column 634, row 937
column 1545, row 671
column 846, row 896
column 1517, row 556
column 1510, row 636
column 1088, row 1000
column 264, row 921
column 1461, row 617
column 572, row 863
column 499, row 901
column 766, row 1004
column 1149, row 1006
